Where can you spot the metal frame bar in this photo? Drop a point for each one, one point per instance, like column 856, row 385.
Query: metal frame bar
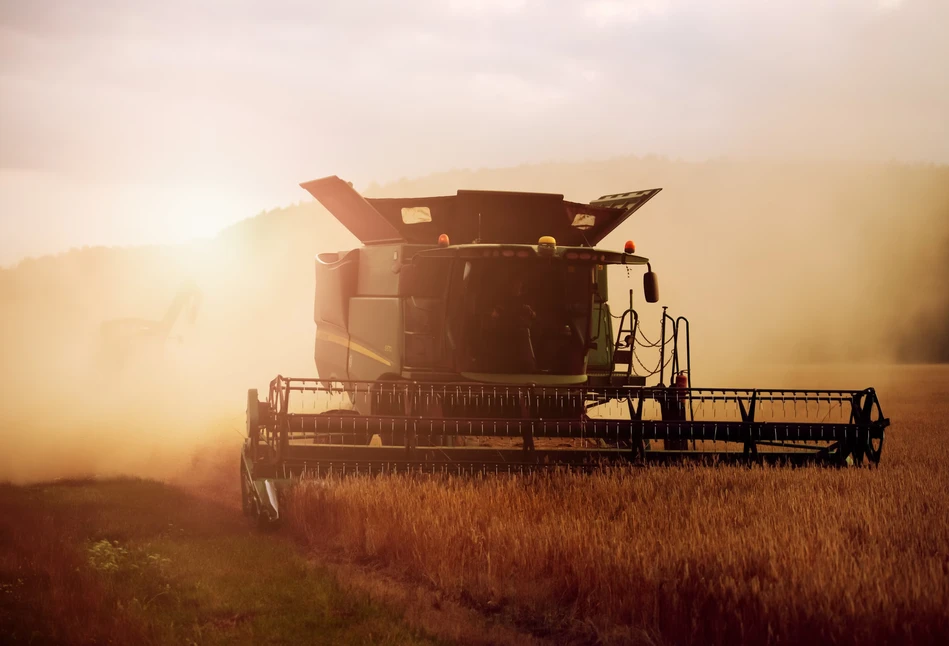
column 302, row 442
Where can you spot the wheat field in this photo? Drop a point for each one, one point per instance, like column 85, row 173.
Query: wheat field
column 684, row 555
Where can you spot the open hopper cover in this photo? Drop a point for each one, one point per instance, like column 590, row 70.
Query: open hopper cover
column 476, row 216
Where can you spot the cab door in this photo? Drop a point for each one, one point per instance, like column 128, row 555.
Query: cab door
column 600, row 356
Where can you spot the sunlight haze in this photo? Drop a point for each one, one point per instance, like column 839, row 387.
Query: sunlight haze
column 137, row 123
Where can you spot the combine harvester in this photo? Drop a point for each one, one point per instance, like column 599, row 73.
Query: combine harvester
column 136, row 342
column 471, row 333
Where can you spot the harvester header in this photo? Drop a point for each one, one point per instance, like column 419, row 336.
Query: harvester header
column 474, row 332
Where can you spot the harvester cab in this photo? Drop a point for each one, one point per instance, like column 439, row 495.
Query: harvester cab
column 485, row 287
column 473, row 333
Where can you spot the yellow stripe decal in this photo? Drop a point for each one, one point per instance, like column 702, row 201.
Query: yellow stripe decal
column 355, row 347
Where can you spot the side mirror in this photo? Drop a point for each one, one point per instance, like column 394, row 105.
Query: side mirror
column 651, row 287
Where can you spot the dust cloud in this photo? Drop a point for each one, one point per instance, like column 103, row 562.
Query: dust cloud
column 777, row 260
column 69, row 410
column 777, row 265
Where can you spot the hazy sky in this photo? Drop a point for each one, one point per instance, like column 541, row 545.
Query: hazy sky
column 130, row 122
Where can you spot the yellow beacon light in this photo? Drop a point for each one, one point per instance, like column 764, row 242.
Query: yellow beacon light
column 546, row 245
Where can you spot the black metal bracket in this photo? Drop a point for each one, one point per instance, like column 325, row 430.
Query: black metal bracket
column 750, row 428
column 636, row 416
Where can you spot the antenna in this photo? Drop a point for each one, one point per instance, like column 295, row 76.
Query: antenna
column 478, row 239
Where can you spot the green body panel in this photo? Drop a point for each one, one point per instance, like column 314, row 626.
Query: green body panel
column 375, row 276
column 375, row 335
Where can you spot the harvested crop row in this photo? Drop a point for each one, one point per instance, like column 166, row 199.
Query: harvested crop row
column 683, row 554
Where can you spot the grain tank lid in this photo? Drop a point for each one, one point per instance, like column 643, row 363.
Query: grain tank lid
column 476, row 216
column 352, row 210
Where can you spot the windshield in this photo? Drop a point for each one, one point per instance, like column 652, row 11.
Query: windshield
column 521, row 315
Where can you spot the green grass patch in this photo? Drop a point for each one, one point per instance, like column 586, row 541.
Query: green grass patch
column 133, row 561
